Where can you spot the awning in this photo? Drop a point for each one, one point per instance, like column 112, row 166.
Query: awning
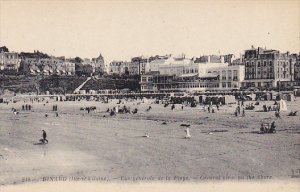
column 189, row 75
column 209, row 75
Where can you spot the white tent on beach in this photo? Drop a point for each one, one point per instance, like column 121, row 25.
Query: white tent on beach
column 282, row 105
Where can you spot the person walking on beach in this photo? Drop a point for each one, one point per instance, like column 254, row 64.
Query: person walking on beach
column 44, row 136
column 172, row 107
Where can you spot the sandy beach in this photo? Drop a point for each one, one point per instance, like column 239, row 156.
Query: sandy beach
column 88, row 145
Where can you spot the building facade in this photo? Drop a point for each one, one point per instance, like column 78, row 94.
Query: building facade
column 153, row 81
column 9, row 61
column 98, row 64
column 47, row 66
column 170, row 65
column 266, row 68
column 296, row 60
column 140, row 64
column 213, row 78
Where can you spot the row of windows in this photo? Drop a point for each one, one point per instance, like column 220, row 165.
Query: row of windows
column 283, row 76
column 259, row 64
column 190, row 71
column 253, row 71
column 265, row 63
column 259, row 76
column 9, row 56
column 201, row 85
column 198, row 85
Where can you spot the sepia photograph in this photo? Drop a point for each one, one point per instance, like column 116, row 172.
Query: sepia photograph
column 157, row 95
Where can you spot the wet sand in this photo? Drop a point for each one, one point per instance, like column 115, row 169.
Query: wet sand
column 85, row 144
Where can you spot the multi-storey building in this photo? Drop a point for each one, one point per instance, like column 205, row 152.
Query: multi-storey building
column 123, row 67
column 47, row 66
column 98, row 64
column 115, row 67
column 212, row 77
column 296, row 60
column 153, row 81
column 215, row 59
column 170, row 65
column 140, row 64
column 266, row 68
column 9, row 61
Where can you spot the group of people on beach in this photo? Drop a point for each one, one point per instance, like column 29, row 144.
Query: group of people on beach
column 26, row 107
column 240, row 110
column 266, row 128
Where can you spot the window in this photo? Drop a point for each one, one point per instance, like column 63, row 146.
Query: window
column 224, row 84
column 229, row 74
column 223, row 75
column 258, row 64
column 235, row 78
column 265, row 63
column 229, row 84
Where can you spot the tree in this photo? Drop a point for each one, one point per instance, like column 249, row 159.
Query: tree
column 4, row 49
column 87, row 69
column 78, row 60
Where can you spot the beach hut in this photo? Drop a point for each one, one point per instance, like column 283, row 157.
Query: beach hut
column 229, row 99
column 6, row 95
column 290, row 97
column 202, row 99
column 282, row 105
column 92, row 92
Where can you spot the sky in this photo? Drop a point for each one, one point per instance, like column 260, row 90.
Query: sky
column 120, row 30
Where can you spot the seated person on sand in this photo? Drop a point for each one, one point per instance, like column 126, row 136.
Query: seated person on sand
column 272, row 128
column 262, row 128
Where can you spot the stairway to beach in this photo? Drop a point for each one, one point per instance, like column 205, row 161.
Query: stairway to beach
column 80, row 86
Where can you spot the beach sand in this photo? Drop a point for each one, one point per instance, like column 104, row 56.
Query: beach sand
column 85, row 144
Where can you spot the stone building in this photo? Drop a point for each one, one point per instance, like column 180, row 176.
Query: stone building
column 9, row 61
column 98, row 64
column 265, row 68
